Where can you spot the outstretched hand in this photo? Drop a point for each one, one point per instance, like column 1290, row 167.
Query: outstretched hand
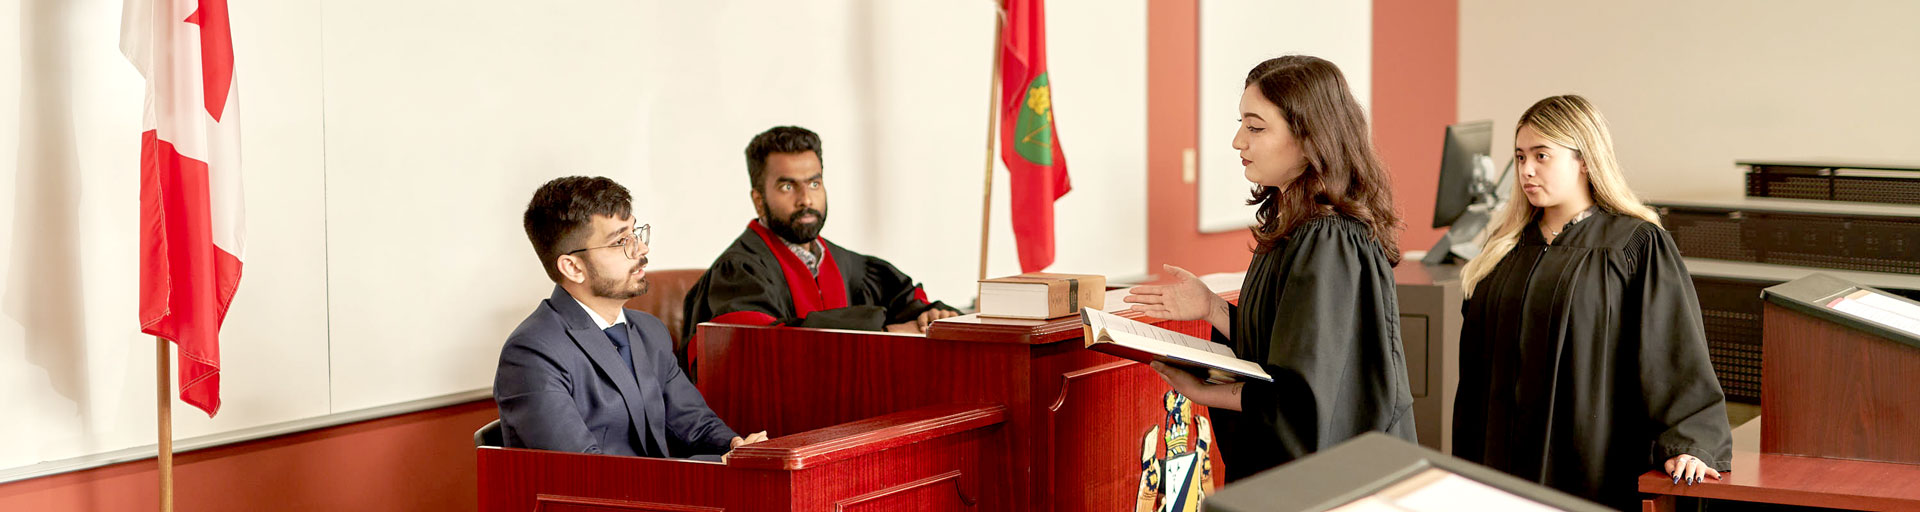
column 1186, row 299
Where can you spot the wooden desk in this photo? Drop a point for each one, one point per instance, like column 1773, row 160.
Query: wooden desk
column 1429, row 299
column 1793, row 480
column 1075, row 417
column 935, row 458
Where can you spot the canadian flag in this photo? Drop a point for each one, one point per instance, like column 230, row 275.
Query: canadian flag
column 191, row 213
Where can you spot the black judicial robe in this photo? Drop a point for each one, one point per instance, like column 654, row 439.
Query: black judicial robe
column 1583, row 363
column 1319, row 313
column 758, row 280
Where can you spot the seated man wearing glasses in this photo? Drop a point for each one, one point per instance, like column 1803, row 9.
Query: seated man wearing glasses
column 781, row 272
column 582, row 373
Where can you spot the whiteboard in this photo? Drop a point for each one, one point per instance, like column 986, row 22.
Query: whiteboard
column 1235, row 35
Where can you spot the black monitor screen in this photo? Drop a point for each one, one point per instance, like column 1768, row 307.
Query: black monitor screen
column 1465, row 143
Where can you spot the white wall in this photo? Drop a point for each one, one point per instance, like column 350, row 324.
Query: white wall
column 76, row 375
column 390, row 147
column 900, row 99
column 1235, row 35
column 1689, row 87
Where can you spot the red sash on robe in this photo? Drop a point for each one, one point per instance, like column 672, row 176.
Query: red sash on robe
column 810, row 294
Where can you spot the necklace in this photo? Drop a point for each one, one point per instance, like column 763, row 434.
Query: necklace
column 1576, row 219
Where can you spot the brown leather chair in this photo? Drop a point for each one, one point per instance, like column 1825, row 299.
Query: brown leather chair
column 666, row 298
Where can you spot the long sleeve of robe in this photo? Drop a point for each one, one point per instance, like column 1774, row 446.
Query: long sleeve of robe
column 1320, row 315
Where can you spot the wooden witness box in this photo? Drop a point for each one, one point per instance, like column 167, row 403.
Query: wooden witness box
column 1839, row 411
column 978, row 414
column 931, row 458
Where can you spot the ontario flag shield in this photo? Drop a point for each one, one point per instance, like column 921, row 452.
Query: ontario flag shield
column 191, row 213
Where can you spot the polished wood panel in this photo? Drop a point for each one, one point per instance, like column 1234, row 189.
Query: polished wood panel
column 1658, row 503
column 1793, row 480
column 1092, row 434
column 897, row 477
column 786, row 380
column 808, row 471
column 941, row 492
column 1007, row 330
column 513, row 479
column 551, row 503
column 1803, row 481
column 1074, row 417
column 1831, row 391
column 850, row 440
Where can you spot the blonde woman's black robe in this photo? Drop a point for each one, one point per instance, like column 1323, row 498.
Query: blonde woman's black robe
column 1583, row 363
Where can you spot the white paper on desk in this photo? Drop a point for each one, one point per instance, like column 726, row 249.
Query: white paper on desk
column 1455, row 492
column 1116, row 301
column 1368, row 504
column 1882, row 310
column 1224, row 282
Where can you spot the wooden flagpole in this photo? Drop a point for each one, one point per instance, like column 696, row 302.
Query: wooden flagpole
column 165, row 388
column 993, row 109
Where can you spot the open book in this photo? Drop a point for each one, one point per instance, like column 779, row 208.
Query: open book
column 1131, row 339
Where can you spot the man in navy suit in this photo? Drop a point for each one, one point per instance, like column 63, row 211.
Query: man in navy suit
column 583, row 373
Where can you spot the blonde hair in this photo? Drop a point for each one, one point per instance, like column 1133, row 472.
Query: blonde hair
column 1571, row 121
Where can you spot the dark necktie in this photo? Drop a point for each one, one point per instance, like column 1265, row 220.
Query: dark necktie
column 621, row 344
column 618, row 333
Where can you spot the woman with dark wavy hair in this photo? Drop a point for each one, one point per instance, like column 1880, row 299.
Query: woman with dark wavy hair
column 1317, row 309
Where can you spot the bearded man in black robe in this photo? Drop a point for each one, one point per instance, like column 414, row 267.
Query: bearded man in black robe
column 781, row 272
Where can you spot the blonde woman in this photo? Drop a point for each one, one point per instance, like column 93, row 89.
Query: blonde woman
column 1583, row 363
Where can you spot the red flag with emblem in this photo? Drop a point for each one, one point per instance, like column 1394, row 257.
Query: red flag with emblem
column 191, row 225
column 1028, row 143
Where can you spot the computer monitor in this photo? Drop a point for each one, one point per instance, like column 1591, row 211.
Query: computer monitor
column 1470, row 188
column 1466, row 143
column 1377, row 472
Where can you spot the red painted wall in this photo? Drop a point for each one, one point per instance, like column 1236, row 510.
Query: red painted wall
column 1415, row 79
column 417, row 461
column 1173, row 96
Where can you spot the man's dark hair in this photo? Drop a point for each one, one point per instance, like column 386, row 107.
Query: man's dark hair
column 779, row 139
column 560, row 212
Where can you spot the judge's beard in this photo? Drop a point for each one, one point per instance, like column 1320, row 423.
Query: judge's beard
column 611, row 286
column 790, row 230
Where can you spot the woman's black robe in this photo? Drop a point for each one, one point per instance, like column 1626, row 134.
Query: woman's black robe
column 1583, row 363
column 1318, row 312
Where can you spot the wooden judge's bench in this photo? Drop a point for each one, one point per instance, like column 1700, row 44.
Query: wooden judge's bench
column 1839, row 423
column 1075, row 418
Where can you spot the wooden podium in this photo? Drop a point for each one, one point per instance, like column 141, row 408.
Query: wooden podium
column 1075, row 418
column 1840, row 409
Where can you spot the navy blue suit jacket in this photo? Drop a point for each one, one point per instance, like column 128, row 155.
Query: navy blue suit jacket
column 562, row 386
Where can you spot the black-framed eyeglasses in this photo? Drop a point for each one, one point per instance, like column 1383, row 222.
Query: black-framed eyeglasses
column 630, row 244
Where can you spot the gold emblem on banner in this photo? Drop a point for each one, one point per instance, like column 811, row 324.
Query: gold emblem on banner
column 1176, row 470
